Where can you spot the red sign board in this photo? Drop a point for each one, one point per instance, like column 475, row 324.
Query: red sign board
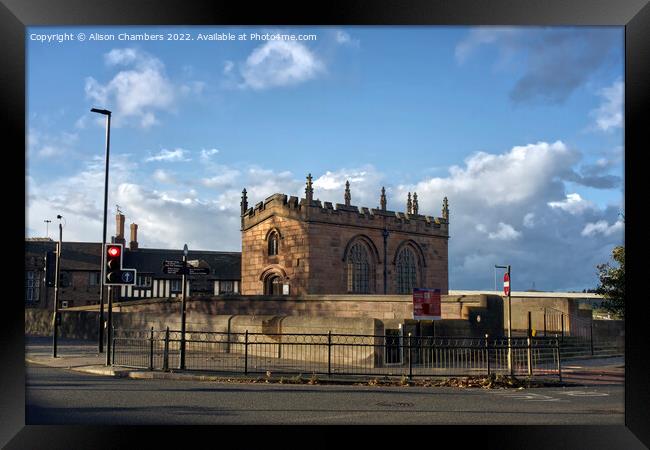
column 506, row 284
column 426, row 304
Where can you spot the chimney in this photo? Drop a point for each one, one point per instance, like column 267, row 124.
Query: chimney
column 133, row 245
column 119, row 222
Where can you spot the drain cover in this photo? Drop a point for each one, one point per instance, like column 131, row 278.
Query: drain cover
column 396, row 404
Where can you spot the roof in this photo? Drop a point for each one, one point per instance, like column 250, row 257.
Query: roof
column 87, row 256
column 532, row 294
column 223, row 265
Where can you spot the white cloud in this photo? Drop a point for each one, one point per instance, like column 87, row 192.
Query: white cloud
column 610, row 113
column 177, row 155
column 207, row 153
column 280, row 63
column 603, row 227
column 505, row 232
column 139, row 91
column 163, row 176
column 529, row 220
column 573, row 204
column 365, row 186
column 225, row 178
column 344, row 38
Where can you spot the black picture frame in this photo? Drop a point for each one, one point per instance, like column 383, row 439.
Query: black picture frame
column 634, row 15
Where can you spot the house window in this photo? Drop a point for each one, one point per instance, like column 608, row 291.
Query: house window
column 406, row 271
column 358, row 269
column 144, row 281
column 226, row 287
column 31, row 287
column 93, row 278
column 175, row 286
column 273, row 243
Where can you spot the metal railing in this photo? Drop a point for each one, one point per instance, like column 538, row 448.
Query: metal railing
column 336, row 354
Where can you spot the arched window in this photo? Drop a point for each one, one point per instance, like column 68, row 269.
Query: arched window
column 273, row 285
column 406, row 271
column 273, row 243
column 358, row 269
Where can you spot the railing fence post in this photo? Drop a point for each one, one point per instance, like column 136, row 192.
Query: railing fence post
column 329, row 353
column 246, row 353
column 559, row 364
column 410, row 358
column 529, row 342
column 151, row 350
column 487, row 352
column 166, row 351
column 113, row 342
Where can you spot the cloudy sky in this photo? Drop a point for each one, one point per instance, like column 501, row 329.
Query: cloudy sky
column 521, row 128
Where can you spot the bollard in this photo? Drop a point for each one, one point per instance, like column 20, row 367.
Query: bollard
column 329, row 353
column 246, row 353
column 166, row 351
column 151, row 350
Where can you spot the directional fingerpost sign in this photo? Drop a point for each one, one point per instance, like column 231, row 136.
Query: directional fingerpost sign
column 177, row 267
column 506, row 283
column 173, row 267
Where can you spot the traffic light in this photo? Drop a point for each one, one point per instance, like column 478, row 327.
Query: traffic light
column 114, row 274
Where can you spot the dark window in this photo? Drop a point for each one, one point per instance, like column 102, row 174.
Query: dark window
column 226, row 287
column 175, row 286
column 144, row 281
column 273, row 244
column 406, row 271
column 273, row 285
column 358, row 269
column 31, row 287
column 93, row 278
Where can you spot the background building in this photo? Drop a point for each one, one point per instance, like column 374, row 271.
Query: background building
column 81, row 271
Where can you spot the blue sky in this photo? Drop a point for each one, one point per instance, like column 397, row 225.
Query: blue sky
column 521, row 128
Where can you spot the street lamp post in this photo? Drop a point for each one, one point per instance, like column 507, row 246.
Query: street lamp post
column 183, row 295
column 47, row 227
column 510, row 368
column 55, row 318
column 106, row 113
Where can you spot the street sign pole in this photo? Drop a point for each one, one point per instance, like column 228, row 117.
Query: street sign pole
column 183, row 295
column 510, row 368
column 508, row 291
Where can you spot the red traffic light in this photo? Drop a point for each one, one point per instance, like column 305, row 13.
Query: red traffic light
column 113, row 251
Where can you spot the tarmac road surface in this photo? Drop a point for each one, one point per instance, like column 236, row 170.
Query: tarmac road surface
column 61, row 396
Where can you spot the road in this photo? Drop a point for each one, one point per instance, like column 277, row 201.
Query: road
column 60, row 396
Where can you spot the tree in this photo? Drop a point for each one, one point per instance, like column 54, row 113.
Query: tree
column 612, row 283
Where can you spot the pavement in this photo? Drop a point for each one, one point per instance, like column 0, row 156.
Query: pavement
column 83, row 356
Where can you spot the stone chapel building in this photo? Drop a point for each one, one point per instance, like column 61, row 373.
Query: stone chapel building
column 300, row 247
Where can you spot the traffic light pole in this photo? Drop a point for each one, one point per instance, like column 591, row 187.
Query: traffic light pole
column 55, row 317
column 109, row 324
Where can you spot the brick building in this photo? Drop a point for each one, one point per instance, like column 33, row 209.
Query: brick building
column 294, row 246
column 81, row 270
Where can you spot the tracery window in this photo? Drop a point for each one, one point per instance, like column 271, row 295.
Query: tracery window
column 358, row 269
column 406, row 271
column 273, row 244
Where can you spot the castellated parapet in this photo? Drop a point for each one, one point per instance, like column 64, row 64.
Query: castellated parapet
column 291, row 208
column 293, row 246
